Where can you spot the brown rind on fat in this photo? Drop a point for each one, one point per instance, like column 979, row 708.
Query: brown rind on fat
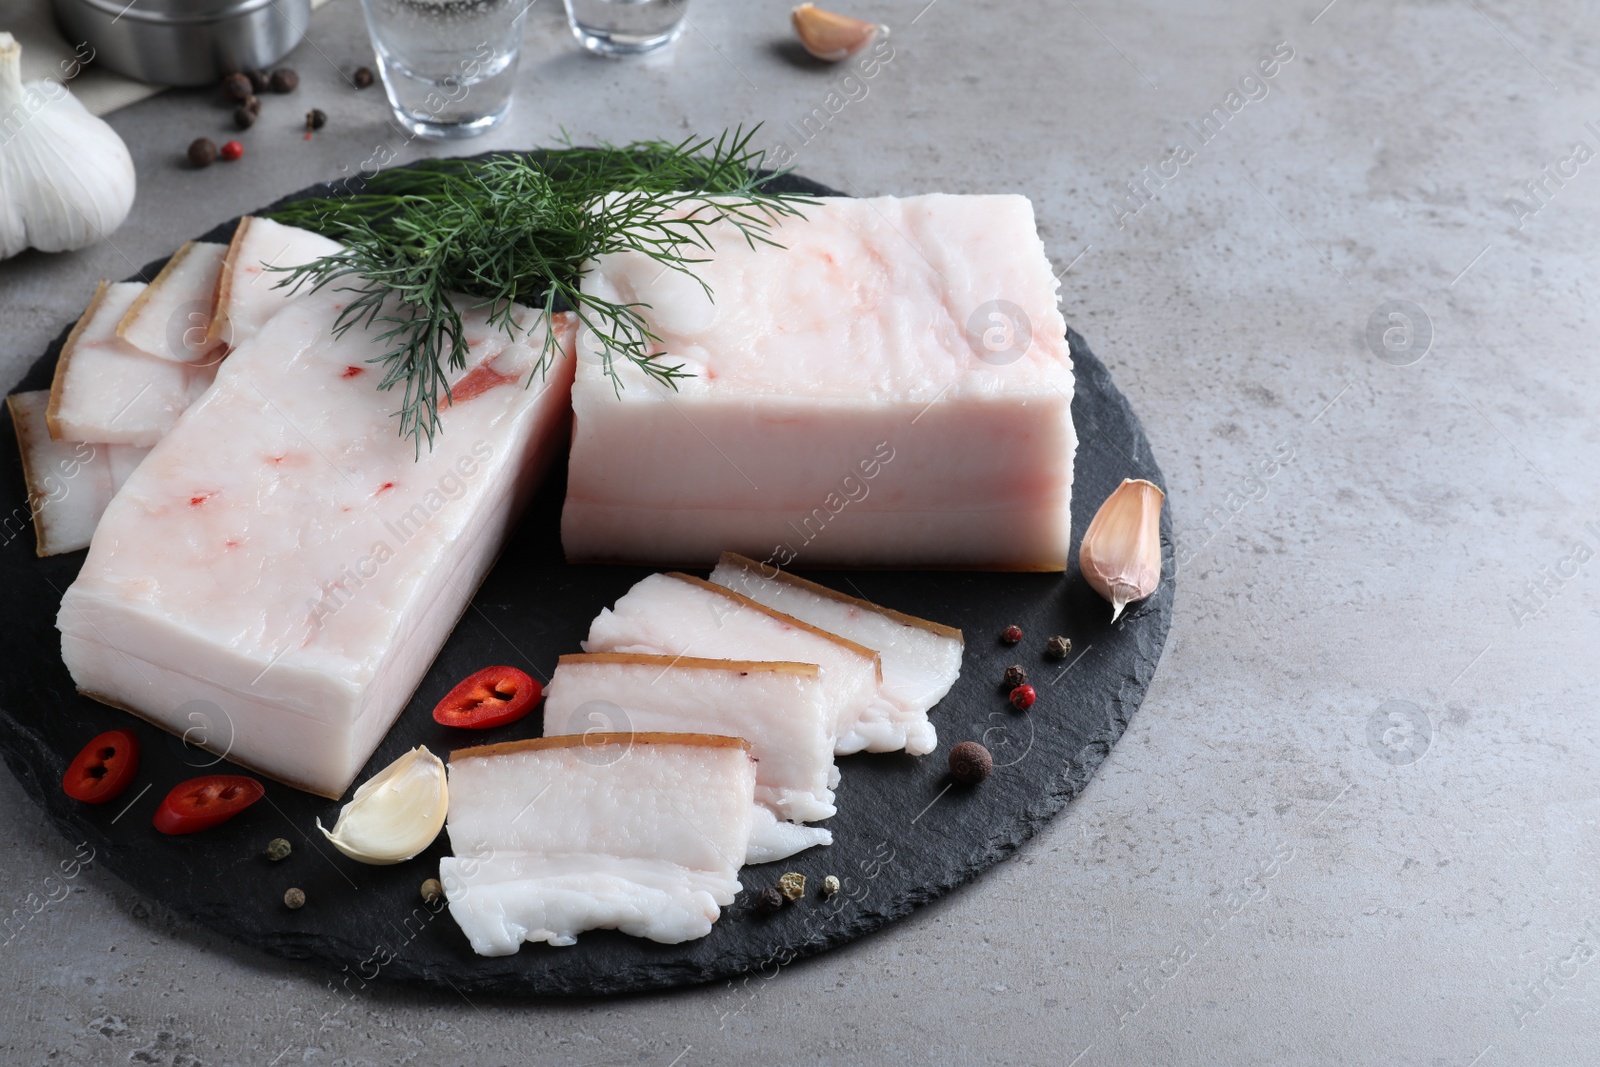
column 982, row 568
column 34, row 495
column 139, row 301
column 785, row 578
column 58, row 380
column 743, row 666
column 744, row 601
column 224, row 754
column 223, row 293
column 598, row 740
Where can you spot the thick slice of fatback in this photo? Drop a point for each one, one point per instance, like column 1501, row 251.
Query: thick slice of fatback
column 247, row 292
column 638, row 832
column 107, row 391
column 69, row 482
column 892, row 386
column 284, row 555
column 778, row 707
column 171, row 317
column 679, row 615
column 921, row 659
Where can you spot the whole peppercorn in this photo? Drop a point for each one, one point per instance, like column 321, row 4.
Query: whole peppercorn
column 294, row 898
column 284, row 81
column 316, row 119
column 432, row 891
column 970, row 763
column 238, row 87
column 260, row 81
column 770, row 900
column 254, row 104
column 362, row 77
column 202, row 152
column 232, row 151
column 1058, row 648
column 830, row 885
column 1011, row 635
column 278, row 848
column 1022, row 697
column 243, row 117
column 792, row 885
column 1014, row 677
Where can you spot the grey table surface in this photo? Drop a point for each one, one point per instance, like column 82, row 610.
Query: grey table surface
column 1356, row 819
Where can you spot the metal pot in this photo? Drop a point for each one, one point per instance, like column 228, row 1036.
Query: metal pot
column 185, row 42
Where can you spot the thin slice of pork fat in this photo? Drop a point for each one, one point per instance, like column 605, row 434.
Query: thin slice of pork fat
column 107, row 391
column 778, row 707
column 678, row 615
column 286, row 559
column 921, row 659
column 891, row 387
column 638, row 832
column 247, row 289
column 69, row 482
column 170, row 318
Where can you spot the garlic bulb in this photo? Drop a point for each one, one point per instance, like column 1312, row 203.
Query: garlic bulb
column 832, row 37
column 66, row 179
column 1121, row 550
column 396, row 813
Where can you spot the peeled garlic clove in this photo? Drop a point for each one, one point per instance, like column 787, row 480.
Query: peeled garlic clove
column 396, row 813
column 833, row 37
column 1121, row 551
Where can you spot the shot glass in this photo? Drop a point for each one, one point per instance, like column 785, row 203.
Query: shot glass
column 448, row 66
column 626, row 27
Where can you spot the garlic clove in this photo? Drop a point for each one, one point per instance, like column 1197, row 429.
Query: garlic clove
column 1121, row 550
column 831, row 36
column 396, row 813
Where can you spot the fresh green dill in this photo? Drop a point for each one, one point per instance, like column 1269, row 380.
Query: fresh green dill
column 520, row 229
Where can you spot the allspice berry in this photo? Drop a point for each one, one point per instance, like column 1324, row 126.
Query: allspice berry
column 243, row 117
column 970, row 763
column 362, row 77
column 260, row 81
column 278, row 849
column 770, row 900
column 316, row 118
column 294, row 898
column 202, row 152
column 238, row 87
column 284, row 81
column 432, row 891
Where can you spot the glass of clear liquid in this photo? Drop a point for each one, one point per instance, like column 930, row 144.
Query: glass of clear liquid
column 448, row 66
column 626, row 27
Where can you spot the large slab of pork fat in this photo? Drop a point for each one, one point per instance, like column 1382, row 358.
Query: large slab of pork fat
column 638, row 832
column 283, row 556
column 892, row 387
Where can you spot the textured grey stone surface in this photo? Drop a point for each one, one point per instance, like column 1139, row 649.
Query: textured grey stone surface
column 1256, row 876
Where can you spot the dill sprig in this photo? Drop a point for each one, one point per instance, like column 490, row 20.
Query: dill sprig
column 519, row 229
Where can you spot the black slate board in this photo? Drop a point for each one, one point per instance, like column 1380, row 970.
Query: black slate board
column 904, row 834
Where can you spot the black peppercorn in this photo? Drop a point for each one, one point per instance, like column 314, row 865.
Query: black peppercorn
column 284, row 81
column 260, row 81
column 244, row 117
column 362, row 77
column 1058, row 648
column 970, row 763
column 203, row 152
column 238, row 87
column 316, row 119
column 770, row 900
column 1011, row 635
column 1015, row 676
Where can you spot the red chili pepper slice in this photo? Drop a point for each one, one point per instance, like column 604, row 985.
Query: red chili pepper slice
column 493, row 696
column 201, row 803
column 104, row 768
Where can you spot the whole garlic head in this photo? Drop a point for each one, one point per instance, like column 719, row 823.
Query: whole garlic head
column 66, row 179
column 1121, row 550
column 396, row 813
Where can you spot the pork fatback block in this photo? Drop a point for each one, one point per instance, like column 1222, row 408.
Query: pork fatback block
column 285, row 557
column 639, row 832
column 893, row 387
column 779, row 707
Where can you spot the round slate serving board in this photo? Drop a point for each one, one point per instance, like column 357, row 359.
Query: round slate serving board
column 904, row 835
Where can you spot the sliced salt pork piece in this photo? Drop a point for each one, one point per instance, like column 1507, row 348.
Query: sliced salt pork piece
column 285, row 556
column 778, row 707
column 678, row 615
column 69, row 482
column 247, row 292
column 171, row 317
column 107, row 391
column 892, row 387
column 638, row 832
column 921, row 659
